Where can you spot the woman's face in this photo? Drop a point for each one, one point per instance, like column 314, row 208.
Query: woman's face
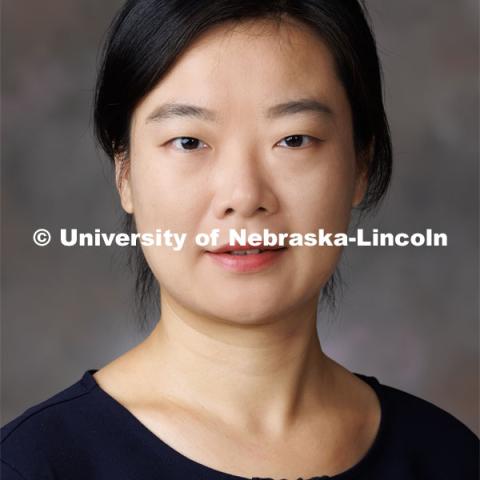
column 238, row 168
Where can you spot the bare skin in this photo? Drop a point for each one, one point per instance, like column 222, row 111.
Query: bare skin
column 295, row 418
column 234, row 375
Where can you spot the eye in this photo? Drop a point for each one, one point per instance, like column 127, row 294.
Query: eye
column 187, row 143
column 297, row 141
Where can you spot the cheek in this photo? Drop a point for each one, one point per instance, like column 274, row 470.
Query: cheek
column 163, row 200
column 323, row 198
column 162, row 197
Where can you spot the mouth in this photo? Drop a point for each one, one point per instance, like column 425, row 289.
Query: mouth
column 247, row 249
column 246, row 259
column 252, row 251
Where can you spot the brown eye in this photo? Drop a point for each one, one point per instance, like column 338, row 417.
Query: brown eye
column 187, row 143
column 296, row 141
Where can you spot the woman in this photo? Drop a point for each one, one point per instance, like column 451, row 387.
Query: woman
column 239, row 115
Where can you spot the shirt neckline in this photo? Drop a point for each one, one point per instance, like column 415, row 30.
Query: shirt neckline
column 156, row 442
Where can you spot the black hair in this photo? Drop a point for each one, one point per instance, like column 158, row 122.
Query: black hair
column 147, row 36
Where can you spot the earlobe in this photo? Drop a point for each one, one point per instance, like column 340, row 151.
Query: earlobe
column 122, row 181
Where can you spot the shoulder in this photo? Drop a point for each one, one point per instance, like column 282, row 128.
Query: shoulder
column 46, row 430
column 435, row 439
column 416, row 414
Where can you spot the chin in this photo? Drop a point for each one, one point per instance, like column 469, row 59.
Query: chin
column 247, row 317
column 247, row 310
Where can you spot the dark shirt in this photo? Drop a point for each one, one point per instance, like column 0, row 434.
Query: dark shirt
column 82, row 433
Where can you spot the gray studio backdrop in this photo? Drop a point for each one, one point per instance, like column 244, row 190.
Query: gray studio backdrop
column 409, row 316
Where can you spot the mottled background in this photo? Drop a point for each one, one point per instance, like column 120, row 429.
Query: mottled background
column 409, row 316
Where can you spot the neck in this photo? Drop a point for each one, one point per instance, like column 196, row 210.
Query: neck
column 261, row 375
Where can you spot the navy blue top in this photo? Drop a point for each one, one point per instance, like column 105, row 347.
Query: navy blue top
column 82, row 433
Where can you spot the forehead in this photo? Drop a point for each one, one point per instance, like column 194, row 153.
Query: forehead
column 254, row 62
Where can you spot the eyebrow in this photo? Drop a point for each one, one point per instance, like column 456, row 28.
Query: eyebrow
column 299, row 106
column 174, row 110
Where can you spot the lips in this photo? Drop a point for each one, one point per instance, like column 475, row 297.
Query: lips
column 246, row 258
column 248, row 249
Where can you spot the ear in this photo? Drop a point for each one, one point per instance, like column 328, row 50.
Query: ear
column 122, row 181
column 361, row 176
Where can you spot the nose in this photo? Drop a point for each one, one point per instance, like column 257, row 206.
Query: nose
column 243, row 187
